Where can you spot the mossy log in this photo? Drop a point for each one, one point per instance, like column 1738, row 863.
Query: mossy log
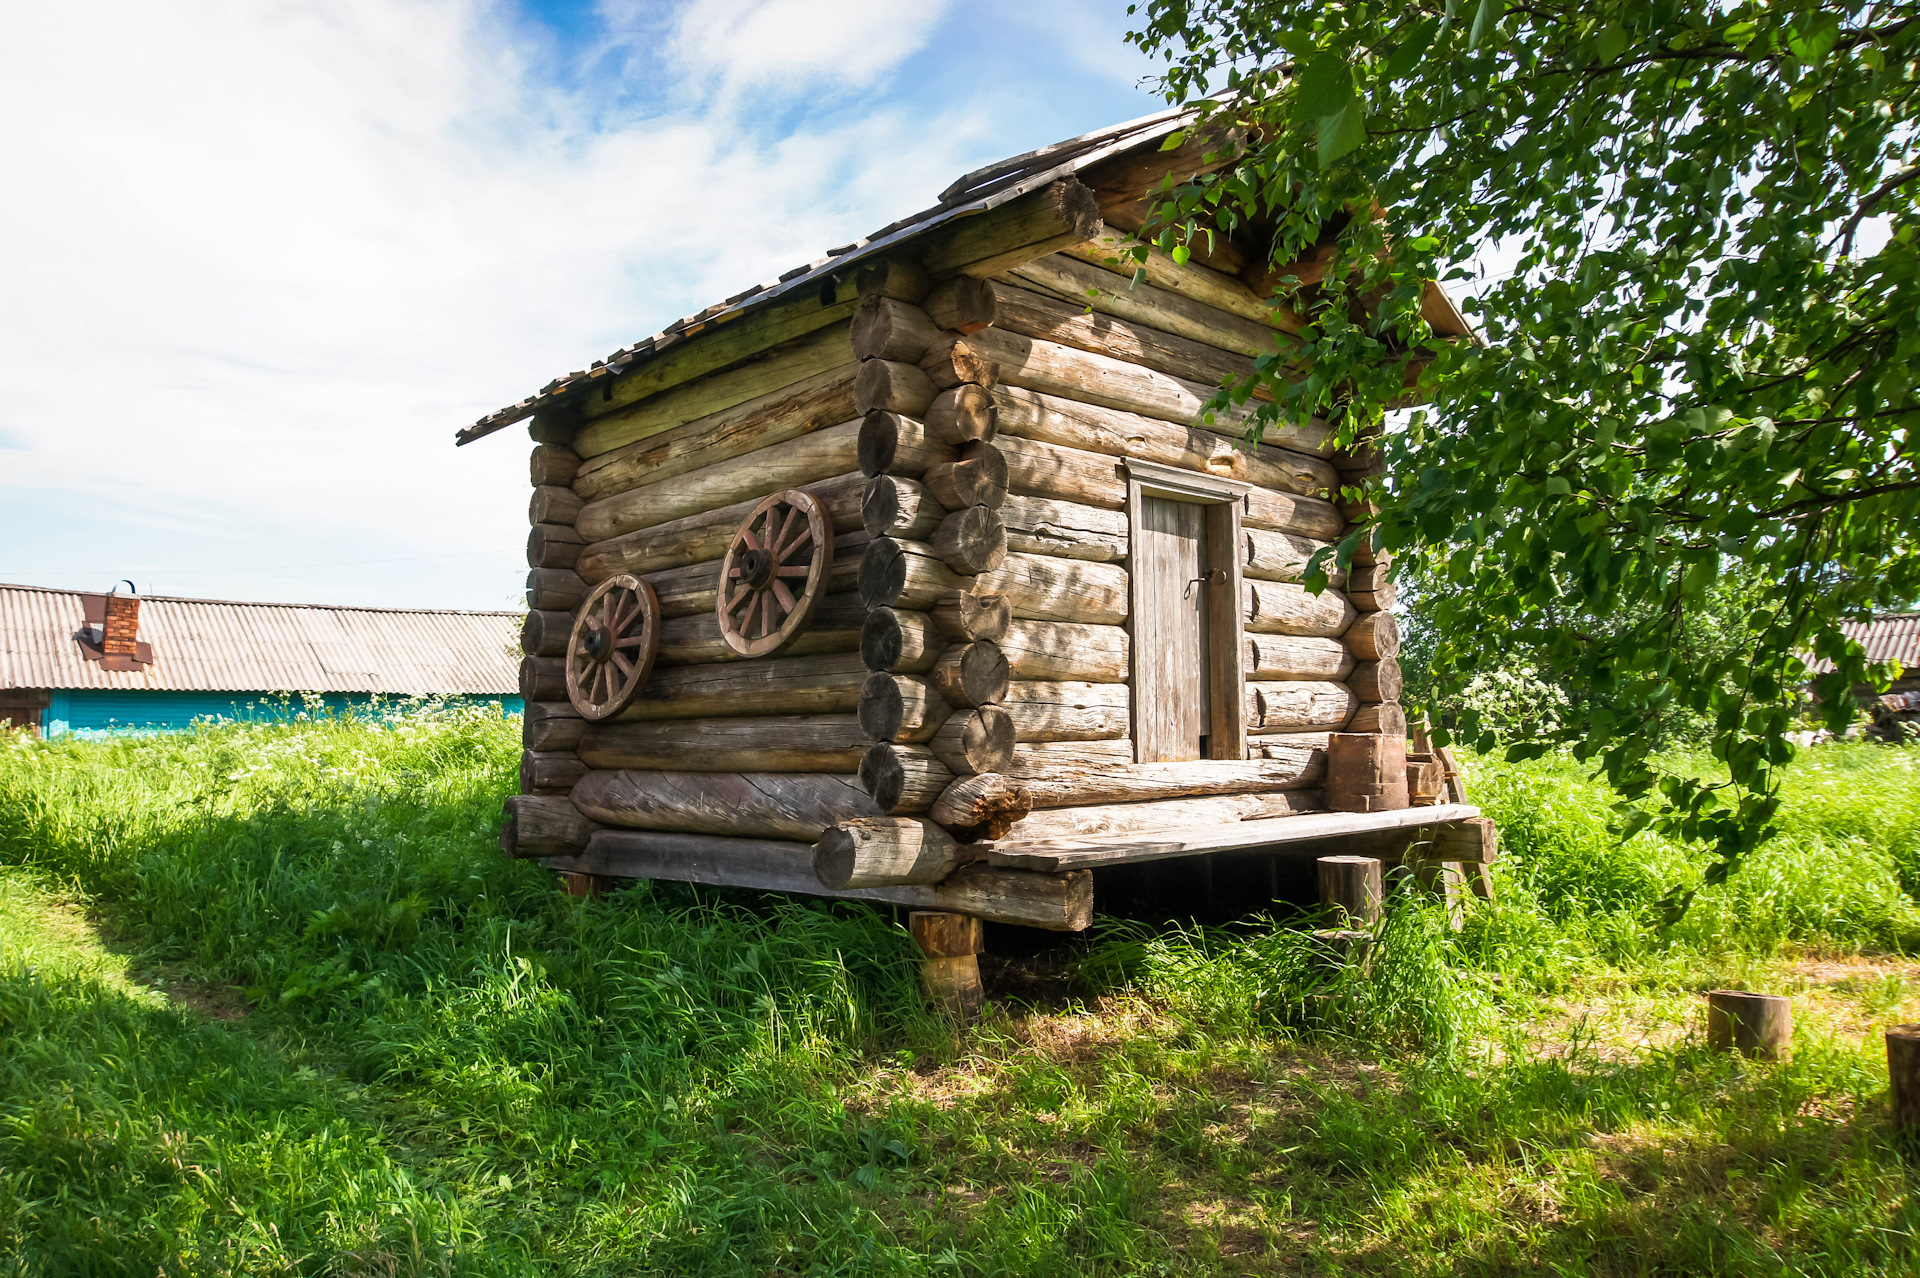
column 823, row 400
column 794, row 463
column 768, row 373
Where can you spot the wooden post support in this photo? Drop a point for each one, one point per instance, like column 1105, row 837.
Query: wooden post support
column 1903, row 1076
column 1758, row 1025
column 1366, row 772
column 577, row 884
column 950, row 972
column 1351, row 889
column 1341, row 947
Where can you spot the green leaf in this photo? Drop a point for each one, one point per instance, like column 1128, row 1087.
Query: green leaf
column 1483, row 22
column 1408, row 55
column 1610, row 43
column 1342, row 132
column 1180, row 254
column 1174, row 140
column 1325, row 88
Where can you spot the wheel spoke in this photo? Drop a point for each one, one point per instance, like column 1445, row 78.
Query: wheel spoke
column 625, row 666
column 786, row 596
column 734, row 602
column 597, row 695
column 631, row 641
column 794, row 515
column 793, row 570
column 767, row 625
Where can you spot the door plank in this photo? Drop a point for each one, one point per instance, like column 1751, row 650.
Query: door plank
column 1172, row 710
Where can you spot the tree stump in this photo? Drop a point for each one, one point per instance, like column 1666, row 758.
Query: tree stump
column 1756, row 1025
column 1350, row 889
column 1903, row 1076
column 950, row 973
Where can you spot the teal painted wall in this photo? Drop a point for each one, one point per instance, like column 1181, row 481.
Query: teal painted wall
column 88, row 711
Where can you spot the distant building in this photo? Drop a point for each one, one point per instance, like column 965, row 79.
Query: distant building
column 78, row 662
column 1889, row 636
column 1892, row 710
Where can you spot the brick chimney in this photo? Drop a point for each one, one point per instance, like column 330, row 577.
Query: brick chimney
column 112, row 633
column 120, row 636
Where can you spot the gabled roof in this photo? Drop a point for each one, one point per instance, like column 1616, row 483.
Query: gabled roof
column 975, row 192
column 210, row 645
column 1891, row 636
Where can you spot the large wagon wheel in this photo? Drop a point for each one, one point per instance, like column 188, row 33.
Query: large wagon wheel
column 775, row 573
column 610, row 652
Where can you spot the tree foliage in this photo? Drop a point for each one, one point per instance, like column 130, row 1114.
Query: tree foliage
column 1703, row 357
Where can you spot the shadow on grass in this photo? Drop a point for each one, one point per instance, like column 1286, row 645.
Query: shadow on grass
column 136, row 1139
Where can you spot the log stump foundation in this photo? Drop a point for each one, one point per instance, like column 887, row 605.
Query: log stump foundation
column 950, row 970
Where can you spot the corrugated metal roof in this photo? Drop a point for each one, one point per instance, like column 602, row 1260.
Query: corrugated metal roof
column 977, row 192
column 211, row 645
column 1891, row 636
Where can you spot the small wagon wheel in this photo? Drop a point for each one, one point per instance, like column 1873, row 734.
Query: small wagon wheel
column 775, row 573
column 610, row 653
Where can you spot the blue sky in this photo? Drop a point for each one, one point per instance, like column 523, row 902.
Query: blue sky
column 262, row 261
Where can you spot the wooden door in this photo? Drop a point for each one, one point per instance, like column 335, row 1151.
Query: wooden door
column 1170, row 693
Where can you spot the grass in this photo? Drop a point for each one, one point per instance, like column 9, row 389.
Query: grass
column 271, row 1003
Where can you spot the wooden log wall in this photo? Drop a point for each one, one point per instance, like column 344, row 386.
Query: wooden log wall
column 933, row 703
column 1077, row 392
column 653, row 477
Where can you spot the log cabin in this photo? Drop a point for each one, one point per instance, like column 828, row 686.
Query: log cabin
column 921, row 575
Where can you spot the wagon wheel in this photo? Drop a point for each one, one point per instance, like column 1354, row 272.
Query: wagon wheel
column 775, row 573
column 615, row 636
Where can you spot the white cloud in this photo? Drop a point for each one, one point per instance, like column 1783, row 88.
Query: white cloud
column 790, row 44
column 260, row 261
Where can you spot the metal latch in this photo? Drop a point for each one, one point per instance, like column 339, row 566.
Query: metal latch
column 1211, row 577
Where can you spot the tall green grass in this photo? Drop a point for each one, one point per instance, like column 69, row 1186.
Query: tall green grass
column 384, row 1049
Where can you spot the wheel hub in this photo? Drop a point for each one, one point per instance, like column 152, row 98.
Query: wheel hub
column 597, row 642
column 756, row 568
